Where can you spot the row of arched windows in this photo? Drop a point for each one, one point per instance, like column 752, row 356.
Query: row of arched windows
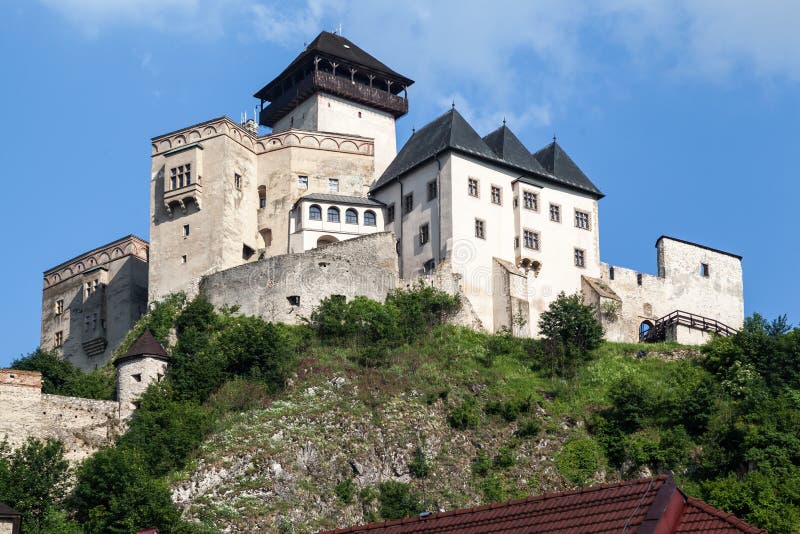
column 350, row 215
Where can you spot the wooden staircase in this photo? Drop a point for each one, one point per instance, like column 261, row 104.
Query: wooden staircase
column 659, row 330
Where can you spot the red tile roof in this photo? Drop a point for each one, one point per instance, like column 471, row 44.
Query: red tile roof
column 645, row 506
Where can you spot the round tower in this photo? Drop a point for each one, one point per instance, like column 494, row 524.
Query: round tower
column 144, row 363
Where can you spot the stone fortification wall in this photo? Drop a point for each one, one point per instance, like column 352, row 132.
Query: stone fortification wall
column 83, row 425
column 288, row 287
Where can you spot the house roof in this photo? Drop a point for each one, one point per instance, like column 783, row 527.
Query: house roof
column 334, row 46
column 508, row 147
column 646, row 505
column 718, row 251
column 339, row 199
column 6, row 510
column 145, row 345
column 558, row 163
column 451, row 131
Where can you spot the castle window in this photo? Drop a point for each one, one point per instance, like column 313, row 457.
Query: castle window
column 480, row 229
column 639, row 279
column 359, row 114
column 314, row 213
column 237, row 181
column 188, row 174
column 432, row 190
column 294, row 300
column 581, row 220
column 390, row 213
column 429, row 266
column 184, row 258
column 497, row 197
column 333, row 185
column 424, row 234
column 173, row 179
column 185, row 230
column 89, row 288
column 351, row 216
column 472, row 187
column 704, row 269
column 530, row 200
column 530, row 239
column 516, row 242
column 580, row 258
column 611, row 273
column 59, row 306
column 333, row 215
column 555, row 213
column 137, row 377
column 302, row 182
column 408, row 203
column 247, row 252
column 58, row 339
column 369, row 218
column 262, row 196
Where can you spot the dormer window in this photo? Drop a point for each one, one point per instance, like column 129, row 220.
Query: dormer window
column 90, row 287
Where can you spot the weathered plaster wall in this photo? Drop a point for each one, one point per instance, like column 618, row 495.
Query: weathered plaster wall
column 83, row 425
column 364, row 266
column 133, row 378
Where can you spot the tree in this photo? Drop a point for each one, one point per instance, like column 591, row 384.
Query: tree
column 33, row 479
column 571, row 331
column 61, row 377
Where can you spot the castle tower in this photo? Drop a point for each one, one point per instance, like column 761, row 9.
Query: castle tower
column 144, row 363
column 335, row 86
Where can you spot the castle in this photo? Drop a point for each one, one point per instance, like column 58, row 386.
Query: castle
column 325, row 204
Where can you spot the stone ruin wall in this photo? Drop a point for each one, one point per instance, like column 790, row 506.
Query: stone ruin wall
column 82, row 425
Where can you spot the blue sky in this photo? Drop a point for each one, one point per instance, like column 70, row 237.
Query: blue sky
column 685, row 113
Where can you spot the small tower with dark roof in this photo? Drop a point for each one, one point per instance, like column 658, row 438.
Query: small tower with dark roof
column 144, row 363
column 335, row 86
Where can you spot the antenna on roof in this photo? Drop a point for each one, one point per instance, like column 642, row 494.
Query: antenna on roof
column 554, row 137
column 504, row 121
column 339, row 30
column 413, row 130
column 454, row 103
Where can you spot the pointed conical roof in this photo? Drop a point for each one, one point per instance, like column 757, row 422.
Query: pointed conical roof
column 509, row 148
column 449, row 130
column 558, row 163
column 145, row 345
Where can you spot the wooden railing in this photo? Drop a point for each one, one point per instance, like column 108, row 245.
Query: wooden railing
column 659, row 330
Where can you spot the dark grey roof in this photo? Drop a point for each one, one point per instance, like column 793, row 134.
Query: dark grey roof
column 556, row 161
column 450, row 130
column 509, row 148
column 340, row 199
column 145, row 345
column 7, row 510
column 718, row 251
column 335, row 46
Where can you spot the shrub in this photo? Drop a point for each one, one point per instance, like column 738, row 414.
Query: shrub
column 505, row 457
column 571, row 330
column 62, row 377
column 397, row 500
column 421, row 308
column 529, row 427
column 481, row 464
column 579, row 460
column 345, row 491
column 493, row 490
column 465, row 415
column 418, row 466
column 510, row 409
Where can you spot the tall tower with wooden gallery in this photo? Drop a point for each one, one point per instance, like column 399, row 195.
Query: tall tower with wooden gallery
column 335, row 86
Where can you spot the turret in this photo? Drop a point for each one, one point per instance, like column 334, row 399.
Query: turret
column 144, row 363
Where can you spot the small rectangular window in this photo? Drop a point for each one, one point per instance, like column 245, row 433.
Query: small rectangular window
column 472, row 187
column 294, row 300
column 480, row 229
column 496, row 195
column 333, row 185
column 704, row 269
column 237, row 181
column 58, row 339
column 408, row 203
column 173, row 179
column 530, row 200
column 429, row 266
column 424, row 234
column 611, row 273
column 302, row 182
column 639, row 279
column 580, row 258
column 185, row 230
column 59, row 306
column 581, row 219
column 188, row 174
column 555, row 213
column 530, row 239
column 184, row 258
column 390, row 213
column 516, row 242
column 432, row 190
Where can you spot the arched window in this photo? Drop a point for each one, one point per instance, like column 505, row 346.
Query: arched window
column 351, row 216
column 262, row 196
column 333, row 214
column 369, row 218
column 315, row 213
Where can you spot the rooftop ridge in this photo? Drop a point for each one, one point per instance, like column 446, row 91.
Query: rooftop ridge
column 724, row 516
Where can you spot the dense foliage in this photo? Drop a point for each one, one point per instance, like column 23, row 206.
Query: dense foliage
column 726, row 422
column 61, row 377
